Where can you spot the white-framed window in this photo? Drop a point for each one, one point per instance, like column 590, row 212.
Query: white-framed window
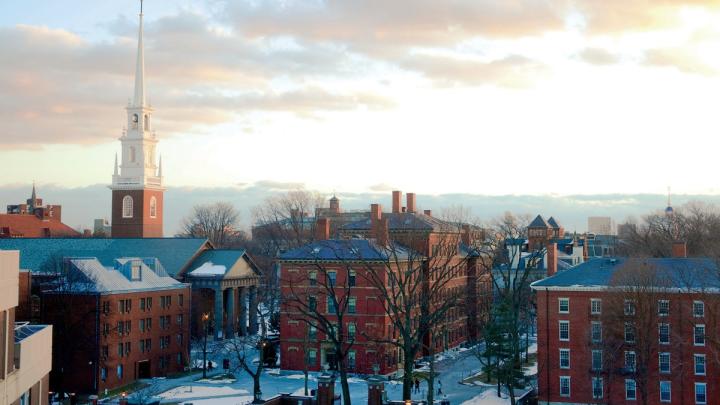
column 597, row 387
column 564, row 358
column 119, row 371
column 664, row 333
column 630, row 360
column 629, row 307
column 700, row 393
column 664, row 360
column 629, row 332
column 564, row 386
column 630, row 390
column 595, row 306
column 564, row 327
column 596, row 331
column 663, row 307
column 597, row 360
column 698, row 309
column 312, row 357
column 699, row 335
column 153, row 207
column 127, row 207
column 665, row 393
column 564, row 305
column 699, row 364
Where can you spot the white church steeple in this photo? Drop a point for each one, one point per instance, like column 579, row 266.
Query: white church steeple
column 138, row 163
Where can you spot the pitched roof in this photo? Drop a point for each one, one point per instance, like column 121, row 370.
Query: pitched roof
column 345, row 249
column 42, row 254
column 538, row 222
column 682, row 273
column 102, row 279
column 218, row 262
column 406, row 221
column 553, row 223
column 30, row 226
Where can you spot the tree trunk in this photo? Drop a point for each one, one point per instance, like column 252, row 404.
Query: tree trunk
column 257, row 394
column 344, row 383
column 408, row 376
column 431, row 378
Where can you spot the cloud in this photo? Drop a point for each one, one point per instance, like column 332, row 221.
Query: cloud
column 598, row 56
column 681, row 58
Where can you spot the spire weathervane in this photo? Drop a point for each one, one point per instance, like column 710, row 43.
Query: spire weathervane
column 141, row 4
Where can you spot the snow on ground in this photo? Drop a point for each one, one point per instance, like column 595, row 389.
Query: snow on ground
column 201, row 391
column 488, row 397
column 244, row 400
column 531, row 370
column 532, row 348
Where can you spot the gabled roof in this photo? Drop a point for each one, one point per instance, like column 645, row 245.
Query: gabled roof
column 102, row 279
column 399, row 221
column 538, row 222
column 43, row 254
column 30, row 226
column 681, row 273
column 553, row 223
column 219, row 262
column 345, row 249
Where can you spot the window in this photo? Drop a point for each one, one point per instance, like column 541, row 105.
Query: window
column 104, row 354
column 178, row 358
column 699, row 364
column 351, row 359
column 179, row 338
column 664, row 359
column 127, row 207
column 597, row 387
column 596, row 306
column 351, row 330
column 564, row 386
column 331, row 305
column 312, row 303
column 629, row 333
column 142, row 304
column 332, row 278
column 120, row 371
column 629, row 307
column 596, row 332
column 181, row 299
column 664, row 333
column 665, row 391
column 106, row 307
column 564, row 331
column 312, row 333
column 630, row 391
column 630, row 361
column 180, row 319
column 141, row 345
column 597, row 360
column 313, row 278
column 153, row 207
column 699, row 335
column 135, row 272
column 141, row 324
column 564, row 305
column 120, row 328
column 663, row 307
column 351, row 278
column 698, row 309
column 149, row 303
column 564, row 358
column 121, row 350
column 127, row 348
column 312, row 357
column 700, row 393
column 103, row 373
column 352, row 305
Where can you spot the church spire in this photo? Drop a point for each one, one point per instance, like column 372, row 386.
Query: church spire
column 139, row 99
column 159, row 174
column 116, row 165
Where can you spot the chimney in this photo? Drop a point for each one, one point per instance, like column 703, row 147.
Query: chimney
column 375, row 391
column 465, row 235
column 396, row 197
column 551, row 259
column 411, row 207
column 679, row 249
column 375, row 212
column 382, row 233
column 322, row 229
column 428, row 212
column 326, row 389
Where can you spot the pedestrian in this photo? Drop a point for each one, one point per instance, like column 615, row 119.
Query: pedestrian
column 439, row 387
column 417, row 385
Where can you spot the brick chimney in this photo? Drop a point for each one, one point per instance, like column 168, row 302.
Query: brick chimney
column 411, row 206
column 679, row 249
column 375, row 391
column 465, row 235
column 322, row 229
column 326, row 389
column 396, row 201
column 428, row 212
column 551, row 258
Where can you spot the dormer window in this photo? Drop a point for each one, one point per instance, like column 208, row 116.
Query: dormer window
column 135, row 272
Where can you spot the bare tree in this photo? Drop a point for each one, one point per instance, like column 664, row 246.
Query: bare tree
column 244, row 348
column 218, row 222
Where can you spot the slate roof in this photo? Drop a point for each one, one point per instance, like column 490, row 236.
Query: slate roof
column 553, row 223
column 101, row 279
column 406, row 221
column 538, row 222
column 41, row 255
column 344, row 249
column 30, row 226
column 682, row 273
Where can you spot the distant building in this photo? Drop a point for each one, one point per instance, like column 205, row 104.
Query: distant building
column 601, row 226
column 25, row 349
column 102, row 228
column 34, row 220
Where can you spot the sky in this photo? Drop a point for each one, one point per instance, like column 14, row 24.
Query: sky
column 535, row 97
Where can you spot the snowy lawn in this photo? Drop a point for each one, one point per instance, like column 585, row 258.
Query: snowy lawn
column 201, row 391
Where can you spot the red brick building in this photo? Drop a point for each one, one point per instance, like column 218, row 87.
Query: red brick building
column 364, row 247
column 627, row 330
column 34, row 220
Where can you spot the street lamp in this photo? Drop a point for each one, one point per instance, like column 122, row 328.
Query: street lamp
column 206, row 326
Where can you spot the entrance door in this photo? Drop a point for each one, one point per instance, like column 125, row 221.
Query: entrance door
column 143, row 369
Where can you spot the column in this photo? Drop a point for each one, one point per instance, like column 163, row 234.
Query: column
column 252, row 298
column 230, row 310
column 218, row 313
column 242, row 310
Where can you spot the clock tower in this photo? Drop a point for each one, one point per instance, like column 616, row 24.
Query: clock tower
column 137, row 183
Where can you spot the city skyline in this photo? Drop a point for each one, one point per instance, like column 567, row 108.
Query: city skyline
column 278, row 92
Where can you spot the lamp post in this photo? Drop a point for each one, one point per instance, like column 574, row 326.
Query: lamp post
column 206, row 325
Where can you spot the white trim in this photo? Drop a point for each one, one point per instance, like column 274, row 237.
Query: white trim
column 704, row 385
column 695, row 357
column 560, row 300
column 626, row 389
column 669, row 383
column 569, row 386
column 694, row 327
column 561, row 351
column 560, row 330
column 660, row 370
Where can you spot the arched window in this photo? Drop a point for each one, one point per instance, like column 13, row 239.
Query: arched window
column 132, row 154
column 153, row 207
column 127, row 207
column 146, row 123
column 135, row 119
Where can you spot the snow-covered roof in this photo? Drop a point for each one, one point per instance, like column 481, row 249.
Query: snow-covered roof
column 88, row 275
column 209, row 269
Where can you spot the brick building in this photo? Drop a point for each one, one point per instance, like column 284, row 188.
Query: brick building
column 379, row 244
column 116, row 324
column 34, row 220
column 618, row 330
